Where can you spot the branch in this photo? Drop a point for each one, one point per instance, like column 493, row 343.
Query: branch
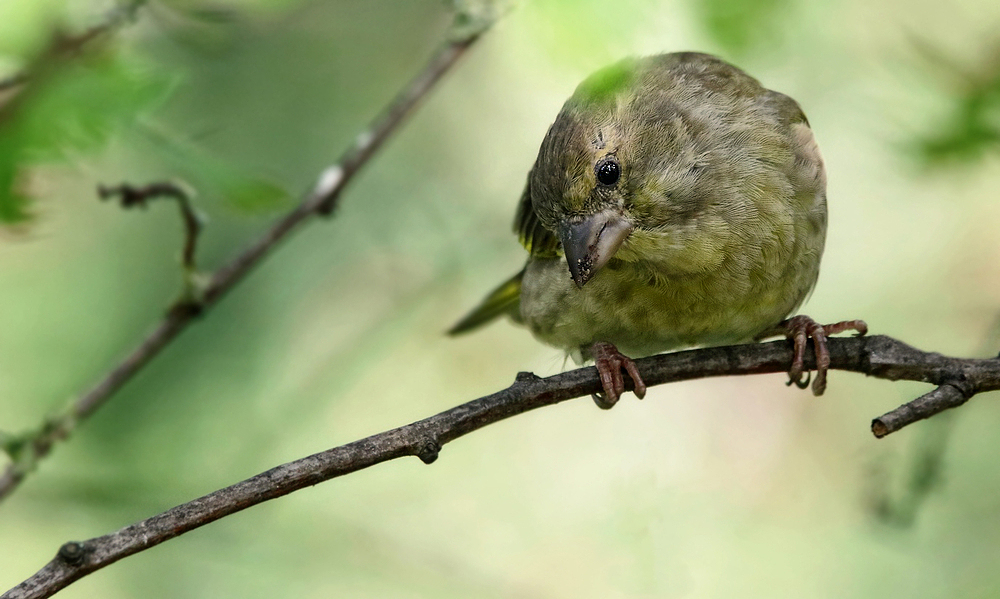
column 322, row 200
column 878, row 356
column 13, row 81
column 131, row 196
column 16, row 89
column 66, row 46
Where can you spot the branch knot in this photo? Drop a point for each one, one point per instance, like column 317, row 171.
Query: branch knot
column 429, row 450
column 73, row 553
column 526, row 377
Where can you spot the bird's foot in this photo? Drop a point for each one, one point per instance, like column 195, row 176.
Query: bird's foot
column 799, row 329
column 610, row 362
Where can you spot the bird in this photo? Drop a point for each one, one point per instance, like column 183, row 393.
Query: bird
column 675, row 202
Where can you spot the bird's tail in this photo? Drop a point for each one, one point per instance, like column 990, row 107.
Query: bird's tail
column 505, row 299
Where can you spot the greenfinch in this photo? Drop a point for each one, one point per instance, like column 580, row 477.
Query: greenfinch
column 675, row 202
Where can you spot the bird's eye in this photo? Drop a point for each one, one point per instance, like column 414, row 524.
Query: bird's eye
column 608, row 171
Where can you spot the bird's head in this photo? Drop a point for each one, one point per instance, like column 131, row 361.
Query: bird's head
column 617, row 170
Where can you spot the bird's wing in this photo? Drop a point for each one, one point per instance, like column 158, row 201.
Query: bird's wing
column 505, row 299
column 539, row 241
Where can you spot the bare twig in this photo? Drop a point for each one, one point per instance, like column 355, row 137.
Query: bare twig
column 13, row 81
column 948, row 395
column 321, row 200
column 924, row 473
column 66, row 46
column 878, row 356
column 131, row 196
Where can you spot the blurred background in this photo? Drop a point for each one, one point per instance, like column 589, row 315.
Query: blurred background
column 737, row 487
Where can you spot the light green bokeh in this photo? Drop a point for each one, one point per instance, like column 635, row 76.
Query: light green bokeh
column 24, row 26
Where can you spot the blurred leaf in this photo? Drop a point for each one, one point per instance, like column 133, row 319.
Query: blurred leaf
column 13, row 206
column 207, row 29
column 84, row 105
column 606, row 83
column 252, row 195
column 973, row 126
column 69, row 107
column 235, row 185
column 472, row 17
column 970, row 125
column 740, row 25
column 580, row 32
column 214, row 26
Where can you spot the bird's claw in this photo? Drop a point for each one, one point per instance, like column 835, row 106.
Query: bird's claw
column 610, row 363
column 602, row 402
column 798, row 382
column 799, row 329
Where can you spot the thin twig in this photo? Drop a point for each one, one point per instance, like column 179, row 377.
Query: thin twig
column 947, row 396
column 925, row 472
column 67, row 46
column 15, row 80
column 131, row 196
column 878, row 356
column 322, row 199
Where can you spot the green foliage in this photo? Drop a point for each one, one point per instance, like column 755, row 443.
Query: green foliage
column 84, row 104
column 586, row 34
column 472, row 17
column 606, row 83
column 78, row 107
column 739, row 25
column 235, row 184
column 972, row 126
column 13, row 206
column 67, row 108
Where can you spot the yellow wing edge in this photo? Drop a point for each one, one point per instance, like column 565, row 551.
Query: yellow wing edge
column 505, row 299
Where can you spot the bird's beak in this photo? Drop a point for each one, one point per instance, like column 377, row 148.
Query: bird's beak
column 591, row 241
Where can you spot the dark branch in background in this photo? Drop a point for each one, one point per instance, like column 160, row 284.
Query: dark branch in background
column 131, row 196
column 28, row 448
column 15, row 89
column 64, row 46
column 920, row 476
column 878, row 356
column 13, row 81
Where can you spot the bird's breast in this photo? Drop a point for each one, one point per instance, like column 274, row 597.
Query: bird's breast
column 644, row 311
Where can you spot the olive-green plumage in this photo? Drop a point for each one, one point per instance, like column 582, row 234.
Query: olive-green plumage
column 674, row 202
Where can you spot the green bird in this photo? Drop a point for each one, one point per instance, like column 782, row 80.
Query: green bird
column 675, row 202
